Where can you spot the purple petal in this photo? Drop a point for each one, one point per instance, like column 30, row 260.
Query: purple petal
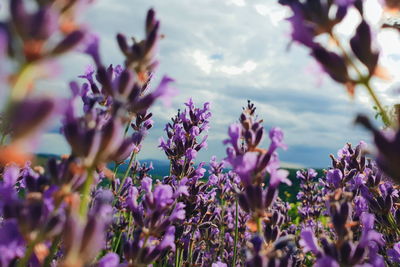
column 308, row 241
column 109, row 260
column 168, row 240
column 165, row 92
column 326, row 261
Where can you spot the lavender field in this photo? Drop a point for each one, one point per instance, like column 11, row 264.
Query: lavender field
column 105, row 200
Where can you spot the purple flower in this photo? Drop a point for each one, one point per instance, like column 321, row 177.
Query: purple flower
column 195, row 131
column 219, row 264
column 326, row 261
column 388, row 146
column 213, row 179
column 308, row 241
column 334, row 177
column 361, row 46
column 234, row 133
column 244, row 165
column 109, row 260
column 368, row 233
column 394, row 253
column 10, row 176
column 3, row 42
column 276, row 136
column 147, row 183
column 345, row 3
column 279, row 176
column 308, row 175
column 178, row 213
column 163, row 195
column 169, row 240
column 91, row 47
column 301, row 33
column 332, row 63
column 29, row 115
column 360, row 205
column 164, row 91
column 12, row 245
column 191, row 154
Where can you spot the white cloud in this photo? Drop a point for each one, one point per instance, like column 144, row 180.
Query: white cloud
column 275, row 13
column 254, row 64
column 347, row 26
column 373, row 11
column 247, row 67
column 372, row 14
column 236, row 2
column 208, row 65
column 202, row 61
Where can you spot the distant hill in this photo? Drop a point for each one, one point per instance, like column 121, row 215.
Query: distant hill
column 161, row 169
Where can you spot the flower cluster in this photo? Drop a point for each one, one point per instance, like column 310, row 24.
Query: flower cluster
column 310, row 198
column 351, row 67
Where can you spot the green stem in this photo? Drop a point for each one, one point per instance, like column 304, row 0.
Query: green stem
column 115, row 170
column 28, row 252
column 52, row 252
column 181, row 258
column 259, row 226
column 236, row 233
column 126, row 172
column 190, row 249
column 365, row 82
column 393, row 223
column 84, row 206
column 3, row 138
column 177, row 256
column 25, row 77
column 385, row 117
column 222, row 232
column 127, row 128
column 116, row 245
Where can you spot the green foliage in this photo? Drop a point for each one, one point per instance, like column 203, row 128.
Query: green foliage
column 293, row 213
column 289, row 193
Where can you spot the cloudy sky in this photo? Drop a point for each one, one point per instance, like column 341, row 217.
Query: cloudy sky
column 228, row 51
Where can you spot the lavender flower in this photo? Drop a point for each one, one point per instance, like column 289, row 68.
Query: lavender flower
column 345, row 249
column 183, row 140
column 312, row 19
column 387, row 146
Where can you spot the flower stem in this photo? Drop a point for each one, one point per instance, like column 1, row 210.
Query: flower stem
column 364, row 81
column 126, row 172
column 115, row 170
column 28, row 252
column 191, row 243
column 83, row 209
column 52, row 252
column 222, row 232
column 3, row 138
column 384, row 115
column 177, row 256
column 25, row 77
column 259, row 226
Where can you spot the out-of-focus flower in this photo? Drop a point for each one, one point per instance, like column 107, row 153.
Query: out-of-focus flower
column 83, row 240
column 308, row 241
column 28, row 116
column 109, row 260
column 12, row 244
column 394, row 253
column 388, row 158
column 94, row 143
column 140, row 55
